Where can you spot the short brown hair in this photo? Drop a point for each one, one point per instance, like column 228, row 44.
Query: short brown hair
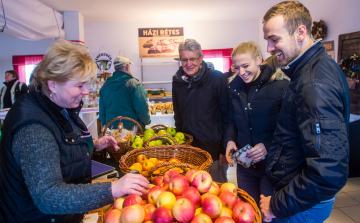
column 13, row 73
column 294, row 13
column 64, row 61
column 247, row 47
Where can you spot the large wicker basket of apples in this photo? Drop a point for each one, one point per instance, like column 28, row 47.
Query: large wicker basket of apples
column 152, row 161
column 193, row 197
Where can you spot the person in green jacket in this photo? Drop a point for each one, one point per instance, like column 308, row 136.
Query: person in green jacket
column 123, row 95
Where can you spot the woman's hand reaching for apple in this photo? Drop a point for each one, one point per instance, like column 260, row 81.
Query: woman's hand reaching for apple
column 130, row 184
column 257, row 153
column 230, row 145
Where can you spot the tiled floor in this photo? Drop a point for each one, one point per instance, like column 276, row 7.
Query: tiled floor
column 347, row 204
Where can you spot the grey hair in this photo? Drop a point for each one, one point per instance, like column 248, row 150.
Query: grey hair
column 191, row 45
column 120, row 67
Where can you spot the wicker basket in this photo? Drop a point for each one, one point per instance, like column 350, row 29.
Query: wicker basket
column 190, row 157
column 188, row 138
column 247, row 198
column 116, row 155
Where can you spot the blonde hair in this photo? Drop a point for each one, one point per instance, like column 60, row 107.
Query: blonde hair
column 247, row 47
column 64, row 61
column 294, row 13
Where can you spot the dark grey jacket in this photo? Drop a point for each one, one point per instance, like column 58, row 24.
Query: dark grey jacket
column 308, row 158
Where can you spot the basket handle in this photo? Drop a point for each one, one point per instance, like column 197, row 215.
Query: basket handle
column 119, row 118
column 160, row 136
column 159, row 125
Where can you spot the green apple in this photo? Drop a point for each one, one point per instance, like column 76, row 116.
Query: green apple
column 134, row 137
column 171, row 131
column 153, row 143
column 139, row 140
column 180, row 135
column 147, row 137
column 182, row 142
column 159, row 142
column 177, row 139
column 137, row 145
column 149, row 132
column 162, row 132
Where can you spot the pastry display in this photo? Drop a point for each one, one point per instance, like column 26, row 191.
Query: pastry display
column 150, row 43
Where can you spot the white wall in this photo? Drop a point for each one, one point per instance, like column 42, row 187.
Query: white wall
column 122, row 38
column 10, row 46
column 340, row 17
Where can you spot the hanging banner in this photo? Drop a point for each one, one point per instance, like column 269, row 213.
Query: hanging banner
column 160, row 42
column 329, row 48
column 103, row 60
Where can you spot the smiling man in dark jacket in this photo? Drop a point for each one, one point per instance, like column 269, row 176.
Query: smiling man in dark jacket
column 123, row 95
column 308, row 159
column 200, row 102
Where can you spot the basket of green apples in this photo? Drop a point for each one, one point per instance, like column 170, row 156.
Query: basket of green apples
column 180, row 137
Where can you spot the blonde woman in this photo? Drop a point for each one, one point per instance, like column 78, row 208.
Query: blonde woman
column 255, row 101
column 46, row 148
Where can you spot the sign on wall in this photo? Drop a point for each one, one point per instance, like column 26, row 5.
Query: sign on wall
column 160, row 42
column 329, row 48
column 103, row 60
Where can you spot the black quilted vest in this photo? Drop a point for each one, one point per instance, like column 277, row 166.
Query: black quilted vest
column 16, row 204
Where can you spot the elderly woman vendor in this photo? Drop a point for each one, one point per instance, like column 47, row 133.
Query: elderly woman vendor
column 45, row 149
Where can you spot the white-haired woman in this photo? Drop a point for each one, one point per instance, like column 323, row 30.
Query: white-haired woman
column 46, row 148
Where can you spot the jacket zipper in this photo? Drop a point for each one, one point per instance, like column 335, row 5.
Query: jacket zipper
column 318, row 136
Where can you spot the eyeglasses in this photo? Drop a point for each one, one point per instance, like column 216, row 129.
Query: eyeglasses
column 192, row 60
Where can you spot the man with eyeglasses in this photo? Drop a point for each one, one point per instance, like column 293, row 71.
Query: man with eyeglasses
column 200, row 101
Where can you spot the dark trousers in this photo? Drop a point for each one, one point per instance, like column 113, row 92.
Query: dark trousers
column 254, row 182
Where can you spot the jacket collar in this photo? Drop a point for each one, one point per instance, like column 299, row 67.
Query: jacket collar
column 199, row 78
column 291, row 69
column 10, row 83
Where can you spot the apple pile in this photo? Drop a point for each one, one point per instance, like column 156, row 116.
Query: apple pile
column 143, row 164
column 191, row 198
column 138, row 141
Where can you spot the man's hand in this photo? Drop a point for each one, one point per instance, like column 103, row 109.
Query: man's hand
column 222, row 160
column 104, row 142
column 230, row 145
column 265, row 208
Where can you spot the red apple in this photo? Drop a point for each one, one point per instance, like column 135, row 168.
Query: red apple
column 145, row 196
column 204, row 195
column 214, row 189
column 228, row 199
column 202, row 181
column 162, row 215
column 230, row 187
column 113, row 216
column 166, row 199
column 190, row 173
column 193, row 195
column 243, row 213
column 149, row 210
column 212, row 206
column 178, row 184
column 168, row 175
column 178, row 197
column 118, row 204
column 224, row 219
column 141, row 158
column 239, row 201
column 183, row 210
column 154, row 193
column 158, row 180
column 202, row 218
column 132, row 214
column 226, row 212
column 131, row 200
column 165, row 186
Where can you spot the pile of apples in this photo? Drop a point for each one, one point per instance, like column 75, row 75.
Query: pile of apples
column 191, row 198
column 143, row 164
column 138, row 141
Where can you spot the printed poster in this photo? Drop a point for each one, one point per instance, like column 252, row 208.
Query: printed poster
column 160, row 42
column 329, row 48
column 103, row 60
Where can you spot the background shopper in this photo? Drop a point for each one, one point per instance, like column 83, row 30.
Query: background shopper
column 12, row 90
